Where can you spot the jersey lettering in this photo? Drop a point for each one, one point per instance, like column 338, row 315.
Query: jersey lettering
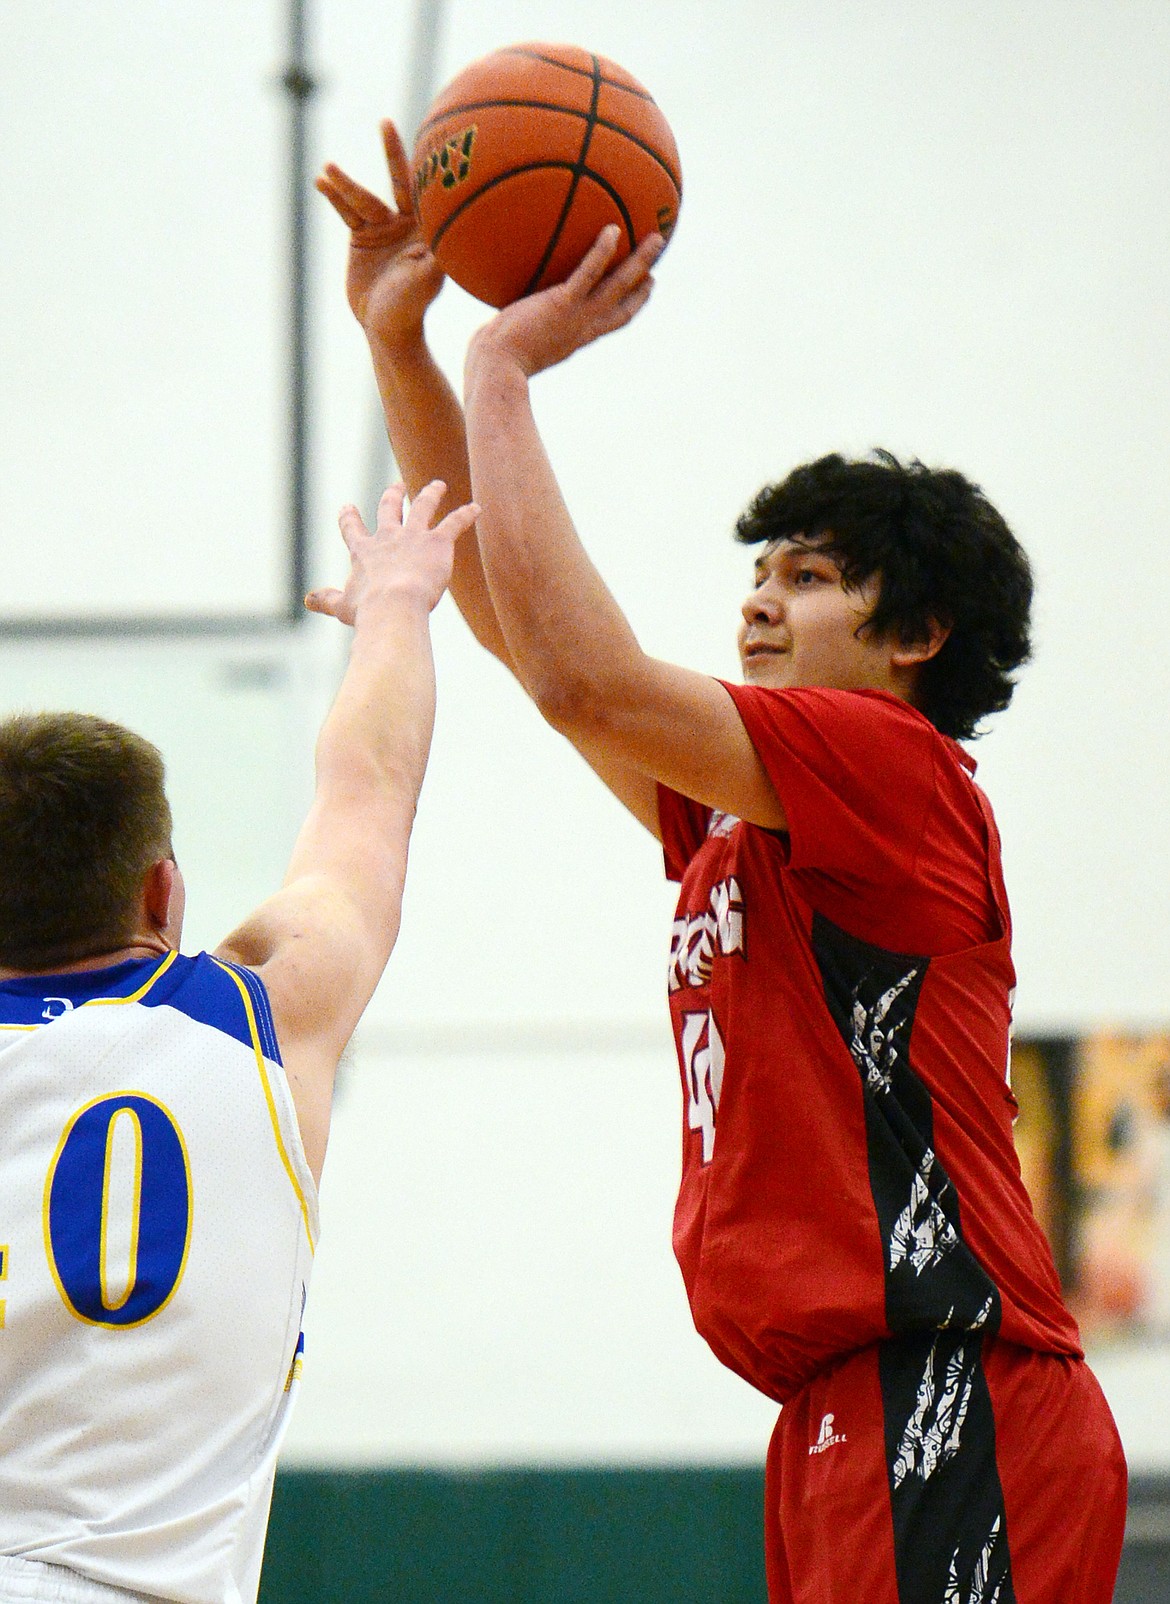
column 695, row 940
column 118, row 1210
column 702, row 1056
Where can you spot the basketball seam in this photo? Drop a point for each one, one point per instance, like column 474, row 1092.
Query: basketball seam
column 536, row 167
column 582, row 72
column 492, row 183
column 568, row 111
column 604, row 183
column 578, row 169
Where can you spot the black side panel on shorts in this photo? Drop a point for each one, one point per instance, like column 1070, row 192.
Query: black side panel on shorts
column 950, row 1533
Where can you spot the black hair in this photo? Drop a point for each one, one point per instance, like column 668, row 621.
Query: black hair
column 941, row 551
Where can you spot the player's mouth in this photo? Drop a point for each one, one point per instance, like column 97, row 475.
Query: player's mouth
column 754, row 649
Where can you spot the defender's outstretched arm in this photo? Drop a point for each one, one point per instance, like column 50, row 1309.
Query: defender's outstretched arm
column 321, row 943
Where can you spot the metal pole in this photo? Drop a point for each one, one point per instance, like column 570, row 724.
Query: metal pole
column 300, row 86
column 420, row 88
column 424, row 64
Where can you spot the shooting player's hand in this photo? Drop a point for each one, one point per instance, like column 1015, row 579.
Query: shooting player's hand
column 399, row 558
column 391, row 276
column 541, row 330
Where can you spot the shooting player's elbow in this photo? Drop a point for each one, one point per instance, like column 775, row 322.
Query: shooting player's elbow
column 582, row 711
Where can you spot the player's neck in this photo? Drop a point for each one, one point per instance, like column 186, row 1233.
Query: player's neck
column 147, row 947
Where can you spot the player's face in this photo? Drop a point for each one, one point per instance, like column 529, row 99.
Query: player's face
column 801, row 626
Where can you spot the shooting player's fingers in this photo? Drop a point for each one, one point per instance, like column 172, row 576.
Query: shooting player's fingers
column 399, row 166
column 636, row 267
column 592, row 267
column 353, row 202
column 625, row 310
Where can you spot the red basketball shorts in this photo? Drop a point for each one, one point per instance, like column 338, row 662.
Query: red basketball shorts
column 947, row 1468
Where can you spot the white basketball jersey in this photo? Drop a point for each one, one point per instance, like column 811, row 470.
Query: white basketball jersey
column 157, row 1222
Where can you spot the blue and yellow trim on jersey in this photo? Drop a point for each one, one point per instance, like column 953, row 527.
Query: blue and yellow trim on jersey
column 259, row 1016
column 25, row 1003
column 139, row 994
column 297, row 1365
column 197, row 986
column 193, row 985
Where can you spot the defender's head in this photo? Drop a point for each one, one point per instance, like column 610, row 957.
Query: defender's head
column 931, row 569
column 84, row 821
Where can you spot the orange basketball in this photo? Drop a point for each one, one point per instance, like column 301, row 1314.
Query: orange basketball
column 527, row 155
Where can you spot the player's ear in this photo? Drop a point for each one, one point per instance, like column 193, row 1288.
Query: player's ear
column 158, row 892
column 909, row 654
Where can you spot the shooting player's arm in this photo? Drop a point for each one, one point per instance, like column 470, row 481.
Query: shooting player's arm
column 391, row 280
column 571, row 644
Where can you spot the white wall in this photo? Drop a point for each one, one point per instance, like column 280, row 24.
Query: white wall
column 494, row 1282
column 140, row 329
column 919, row 224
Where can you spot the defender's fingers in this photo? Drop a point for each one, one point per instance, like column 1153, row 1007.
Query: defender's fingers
column 391, row 503
column 341, row 180
column 459, row 521
column 399, row 165
column 349, row 521
column 325, row 600
column 426, row 503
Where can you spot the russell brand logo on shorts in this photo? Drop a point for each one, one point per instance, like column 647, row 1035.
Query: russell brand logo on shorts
column 827, row 1437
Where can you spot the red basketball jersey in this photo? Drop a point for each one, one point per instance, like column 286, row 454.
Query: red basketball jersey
column 841, row 1000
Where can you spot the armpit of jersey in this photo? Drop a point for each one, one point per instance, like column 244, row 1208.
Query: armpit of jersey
column 684, row 826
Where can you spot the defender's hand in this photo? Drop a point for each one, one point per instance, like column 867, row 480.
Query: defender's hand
column 391, row 277
column 399, row 557
column 541, row 330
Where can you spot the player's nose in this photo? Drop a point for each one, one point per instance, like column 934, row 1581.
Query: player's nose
column 762, row 605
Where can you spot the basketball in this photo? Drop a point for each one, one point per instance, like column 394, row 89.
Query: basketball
column 527, row 155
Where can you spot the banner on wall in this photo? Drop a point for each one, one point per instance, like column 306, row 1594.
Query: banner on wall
column 1093, row 1135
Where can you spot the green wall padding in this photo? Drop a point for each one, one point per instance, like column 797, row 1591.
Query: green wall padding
column 516, row 1537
